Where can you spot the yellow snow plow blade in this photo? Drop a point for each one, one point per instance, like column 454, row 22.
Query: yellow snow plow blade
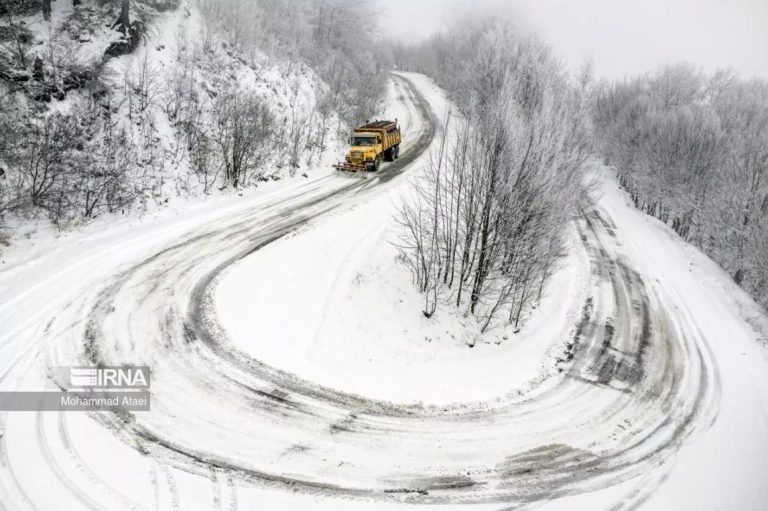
column 350, row 167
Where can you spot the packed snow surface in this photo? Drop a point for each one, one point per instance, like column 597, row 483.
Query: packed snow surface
column 291, row 367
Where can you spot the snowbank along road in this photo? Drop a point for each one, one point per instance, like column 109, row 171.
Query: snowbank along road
column 637, row 381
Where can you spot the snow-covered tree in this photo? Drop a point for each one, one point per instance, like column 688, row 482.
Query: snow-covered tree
column 484, row 228
column 692, row 150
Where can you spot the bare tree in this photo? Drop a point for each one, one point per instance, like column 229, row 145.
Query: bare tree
column 483, row 229
column 45, row 156
column 19, row 33
column 144, row 81
column 692, row 150
column 244, row 126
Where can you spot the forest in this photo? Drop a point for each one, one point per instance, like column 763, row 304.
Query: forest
column 691, row 148
column 488, row 224
column 94, row 122
column 486, row 228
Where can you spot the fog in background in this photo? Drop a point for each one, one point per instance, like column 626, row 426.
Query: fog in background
column 621, row 37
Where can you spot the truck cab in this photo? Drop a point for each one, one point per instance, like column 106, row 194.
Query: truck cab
column 370, row 144
column 364, row 149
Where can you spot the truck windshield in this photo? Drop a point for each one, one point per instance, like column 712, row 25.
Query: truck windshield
column 363, row 141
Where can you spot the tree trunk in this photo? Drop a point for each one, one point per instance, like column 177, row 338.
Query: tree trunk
column 124, row 21
column 47, row 10
column 485, row 220
column 38, row 71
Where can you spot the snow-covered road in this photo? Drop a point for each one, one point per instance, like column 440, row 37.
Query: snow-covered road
column 648, row 379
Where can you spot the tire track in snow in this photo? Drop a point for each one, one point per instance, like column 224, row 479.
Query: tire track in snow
column 559, row 461
column 623, row 404
column 304, row 195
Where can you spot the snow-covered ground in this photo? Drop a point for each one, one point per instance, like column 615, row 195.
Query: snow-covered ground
column 342, row 311
column 288, row 373
column 726, row 466
column 168, row 44
column 172, row 50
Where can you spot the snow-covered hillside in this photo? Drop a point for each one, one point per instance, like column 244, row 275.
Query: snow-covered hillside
column 132, row 132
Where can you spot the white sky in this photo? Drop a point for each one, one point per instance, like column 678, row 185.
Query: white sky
column 623, row 37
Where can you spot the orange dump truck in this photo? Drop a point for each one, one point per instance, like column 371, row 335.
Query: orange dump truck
column 370, row 144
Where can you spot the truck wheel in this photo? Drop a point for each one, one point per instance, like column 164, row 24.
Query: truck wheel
column 389, row 154
column 376, row 164
column 397, row 151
